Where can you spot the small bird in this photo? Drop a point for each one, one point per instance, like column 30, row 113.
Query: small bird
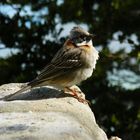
column 71, row 65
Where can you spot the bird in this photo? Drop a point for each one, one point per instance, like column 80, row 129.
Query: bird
column 72, row 64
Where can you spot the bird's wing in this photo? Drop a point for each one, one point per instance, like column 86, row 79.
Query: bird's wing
column 63, row 62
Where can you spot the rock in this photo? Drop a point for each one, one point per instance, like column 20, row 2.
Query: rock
column 115, row 138
column 46, row 114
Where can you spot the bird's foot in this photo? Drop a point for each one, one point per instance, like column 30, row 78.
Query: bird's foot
column 76, row 93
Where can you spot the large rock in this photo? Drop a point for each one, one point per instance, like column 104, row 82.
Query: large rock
column 46, row 114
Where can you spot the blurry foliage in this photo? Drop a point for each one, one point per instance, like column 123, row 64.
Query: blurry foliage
column 117, row 109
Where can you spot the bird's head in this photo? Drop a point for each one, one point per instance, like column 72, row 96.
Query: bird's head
column 80, row 37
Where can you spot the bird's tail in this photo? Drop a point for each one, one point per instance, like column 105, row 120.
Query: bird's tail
column 13, row 96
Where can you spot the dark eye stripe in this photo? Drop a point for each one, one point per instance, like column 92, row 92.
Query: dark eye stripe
column 81, row 38
column 88, row 38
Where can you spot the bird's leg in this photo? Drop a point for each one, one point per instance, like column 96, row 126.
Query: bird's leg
column 76, row 93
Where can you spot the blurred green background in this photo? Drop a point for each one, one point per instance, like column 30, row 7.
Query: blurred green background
column 32, row 31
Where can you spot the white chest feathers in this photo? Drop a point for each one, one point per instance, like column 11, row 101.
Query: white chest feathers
column 86, row 72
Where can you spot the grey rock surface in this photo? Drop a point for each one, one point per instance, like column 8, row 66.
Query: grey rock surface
column 46, row 114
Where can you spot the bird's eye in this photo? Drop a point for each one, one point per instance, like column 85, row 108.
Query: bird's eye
column 80, row 39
